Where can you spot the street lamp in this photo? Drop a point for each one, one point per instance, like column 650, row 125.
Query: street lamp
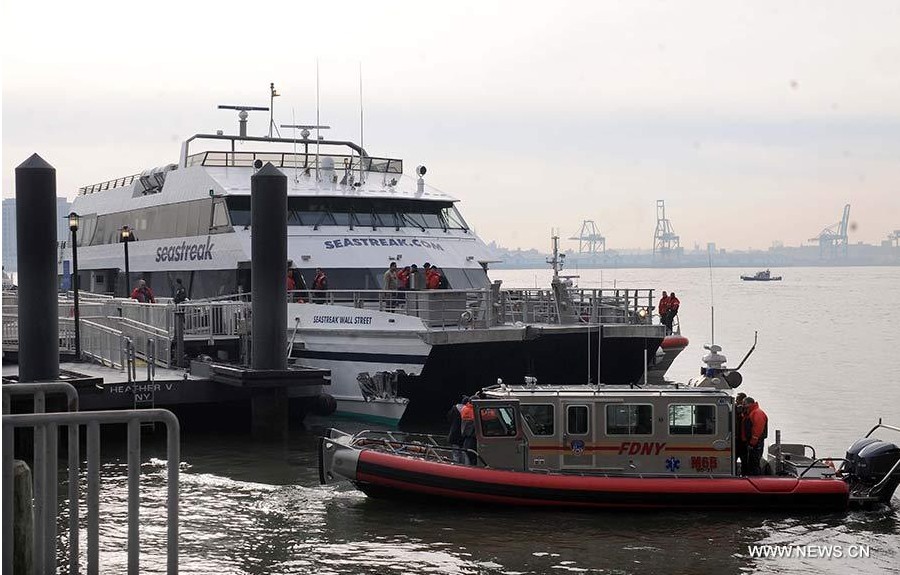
column 73, row 226
column 126, row 237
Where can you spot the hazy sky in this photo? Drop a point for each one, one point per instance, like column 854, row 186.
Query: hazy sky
column 755, row 121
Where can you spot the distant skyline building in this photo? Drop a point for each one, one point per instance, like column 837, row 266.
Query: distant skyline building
column 10, row 244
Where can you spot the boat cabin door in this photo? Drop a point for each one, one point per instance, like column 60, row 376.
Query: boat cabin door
column 498, row 430
column 578, row 435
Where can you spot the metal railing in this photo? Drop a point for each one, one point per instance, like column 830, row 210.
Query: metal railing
column 300, row 161
column 46, row 427
column 45, row 477
column 102, row 344
column 107, row 185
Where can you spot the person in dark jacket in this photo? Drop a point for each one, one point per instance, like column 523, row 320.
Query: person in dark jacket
column 455, row 437
column 180, row 294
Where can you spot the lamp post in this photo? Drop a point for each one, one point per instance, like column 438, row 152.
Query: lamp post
column 73, row 226
column 126, row 237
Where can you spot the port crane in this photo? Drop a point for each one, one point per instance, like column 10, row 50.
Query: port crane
column 833, row 239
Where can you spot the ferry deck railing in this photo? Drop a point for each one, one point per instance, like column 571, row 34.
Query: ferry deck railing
column 46, row 430
column 229, row 316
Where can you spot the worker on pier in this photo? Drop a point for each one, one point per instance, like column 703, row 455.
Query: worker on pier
column 180, row 294
column 142, row 293
column 756, row 429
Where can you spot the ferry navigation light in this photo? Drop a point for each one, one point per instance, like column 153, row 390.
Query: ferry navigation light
column 420, row 170
column 257, row 164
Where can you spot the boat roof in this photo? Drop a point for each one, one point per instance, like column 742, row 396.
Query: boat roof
column 593, row 391
column 345, row 171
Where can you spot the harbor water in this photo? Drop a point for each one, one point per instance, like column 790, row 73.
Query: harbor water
column 824, row 370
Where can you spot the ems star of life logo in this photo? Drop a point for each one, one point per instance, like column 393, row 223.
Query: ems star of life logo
column 577, row 447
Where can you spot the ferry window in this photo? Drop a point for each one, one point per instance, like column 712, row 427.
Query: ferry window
column 220, row 215
column 629, row 419
column 239, row 210
column 539, row 419
column 341, row 218
column 692, row 419
column 498, row 421
column 385, row 219
column 454, row 218
column 363, row 219
column 205, row 220
column 577, row 419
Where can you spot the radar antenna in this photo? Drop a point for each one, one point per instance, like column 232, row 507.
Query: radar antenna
column 242, row 116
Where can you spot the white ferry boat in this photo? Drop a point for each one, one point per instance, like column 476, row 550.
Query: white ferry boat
column 352, row 215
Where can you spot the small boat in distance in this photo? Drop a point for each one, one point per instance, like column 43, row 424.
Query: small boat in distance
column 763, row 276
column 611, row 447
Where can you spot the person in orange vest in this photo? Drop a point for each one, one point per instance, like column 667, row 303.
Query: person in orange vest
column 663, row 307
column 320, row 284
column 671, row 311
column 403, row 279
column 467, row 427
column 432, row 277
column 756, row 429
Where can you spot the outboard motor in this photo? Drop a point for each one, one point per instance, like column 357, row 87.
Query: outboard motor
column 873, row 470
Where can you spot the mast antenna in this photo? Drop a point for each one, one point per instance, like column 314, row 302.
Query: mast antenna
column 318, row 136
column 272, row 95
column 361, row 141
column 712, row 303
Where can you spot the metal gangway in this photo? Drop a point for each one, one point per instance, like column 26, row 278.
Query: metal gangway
column 108, row 323
column 43, row 555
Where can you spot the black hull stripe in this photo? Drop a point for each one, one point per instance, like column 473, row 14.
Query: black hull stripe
column 465, row 487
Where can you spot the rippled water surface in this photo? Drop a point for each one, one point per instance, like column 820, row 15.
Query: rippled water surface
column 825, row 370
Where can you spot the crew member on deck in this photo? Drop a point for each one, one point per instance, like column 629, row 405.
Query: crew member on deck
column 390, row 284
column 756, row 429
column 467, row 426
column 671, row 312
column 180, row 294
column 663, row 308
column 455, row 437
column 320, row 285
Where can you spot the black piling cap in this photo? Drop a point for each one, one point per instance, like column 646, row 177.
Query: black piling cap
column 35, row 162
column 269, row 171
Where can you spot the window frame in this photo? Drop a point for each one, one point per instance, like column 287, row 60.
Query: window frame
column 630, row 432
column 523, row 407
column 587, row 418
column 694, row 423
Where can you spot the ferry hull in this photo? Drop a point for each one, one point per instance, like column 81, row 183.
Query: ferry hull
column 387, row 476
column 553, row 357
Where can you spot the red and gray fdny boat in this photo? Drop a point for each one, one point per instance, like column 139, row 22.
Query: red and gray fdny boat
column 656, row 446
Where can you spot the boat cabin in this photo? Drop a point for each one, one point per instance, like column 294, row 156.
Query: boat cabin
column 660, row 430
